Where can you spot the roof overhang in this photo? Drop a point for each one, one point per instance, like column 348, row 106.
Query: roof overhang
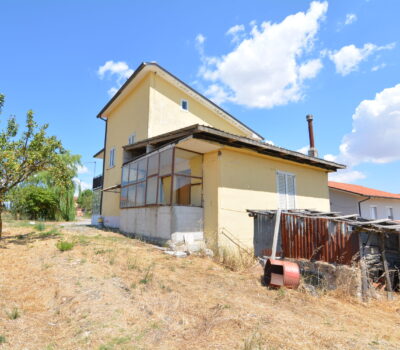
column 99, row 154
column 198, row 135
column 362, row 194
column 147, row 67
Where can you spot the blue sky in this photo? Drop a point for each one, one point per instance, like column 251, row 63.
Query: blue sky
column 269, row 63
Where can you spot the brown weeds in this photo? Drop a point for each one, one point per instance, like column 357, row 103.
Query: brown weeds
column 112, row 292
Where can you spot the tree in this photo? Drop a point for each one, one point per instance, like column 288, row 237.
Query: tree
column 34, row 202
column 24, row 155
column 46, row 180
column 85, row 200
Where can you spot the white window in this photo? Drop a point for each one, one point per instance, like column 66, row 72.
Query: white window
column 374, row 212
column 185, row 105
column 112, row 158
column 131, row 139
column 390, row 213
column 286, row 188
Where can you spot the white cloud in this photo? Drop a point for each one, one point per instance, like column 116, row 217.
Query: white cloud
column 347, row 176
column 376, row 129
column 375, row 134
column 200, row 39
column 118, row 70
column 236, row 32
column 350, row 18
column 82, row 169
column 84, row 185
column 112, row 91
column 348, row 58
column 303, row 150
column 378, row 66
column 265, row 69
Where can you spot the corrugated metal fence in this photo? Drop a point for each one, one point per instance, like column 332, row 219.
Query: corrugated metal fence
column 318, row 238
column 306, row 238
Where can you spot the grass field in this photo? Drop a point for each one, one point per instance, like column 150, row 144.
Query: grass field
column 78, row 287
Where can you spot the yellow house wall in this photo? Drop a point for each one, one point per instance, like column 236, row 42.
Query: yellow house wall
column 130, row 116
column 167, row 115
column 211, row 180
column 248, row 181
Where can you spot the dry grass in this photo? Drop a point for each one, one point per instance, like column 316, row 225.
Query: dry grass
column 235, row 259
column 111, row 292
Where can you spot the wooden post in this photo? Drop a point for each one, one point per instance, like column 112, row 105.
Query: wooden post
column 276, row 233
column 385, row 267
column 363, row 268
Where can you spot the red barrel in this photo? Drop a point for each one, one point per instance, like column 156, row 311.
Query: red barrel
column 281, row 273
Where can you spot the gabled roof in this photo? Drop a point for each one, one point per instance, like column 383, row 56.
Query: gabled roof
column 362, row 191
column 218, row 136
column 154, row 67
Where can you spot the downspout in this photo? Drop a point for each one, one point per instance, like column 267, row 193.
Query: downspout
column 104, row 164
column 359, row 204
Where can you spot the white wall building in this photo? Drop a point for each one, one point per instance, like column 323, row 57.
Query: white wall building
column 367, row 202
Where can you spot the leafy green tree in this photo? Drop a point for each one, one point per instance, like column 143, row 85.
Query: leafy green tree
column 35, row 202
column 64, row 191
column 85, row 200
column 24, row 155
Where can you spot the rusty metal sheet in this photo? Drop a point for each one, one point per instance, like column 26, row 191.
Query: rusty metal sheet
column 317, row 239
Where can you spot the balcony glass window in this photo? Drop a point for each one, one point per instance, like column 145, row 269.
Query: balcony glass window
column 168, row 177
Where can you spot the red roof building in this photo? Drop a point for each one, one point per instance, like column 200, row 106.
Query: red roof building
column 361, row 190
column 367, row 202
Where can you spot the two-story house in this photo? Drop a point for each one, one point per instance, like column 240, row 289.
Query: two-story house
column 178, row 167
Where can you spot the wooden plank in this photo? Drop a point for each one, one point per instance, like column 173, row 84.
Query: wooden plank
column 385, row 267
column 276, row 232
column 363, row 268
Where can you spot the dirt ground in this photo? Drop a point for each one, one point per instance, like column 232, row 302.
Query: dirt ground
column 112, row 292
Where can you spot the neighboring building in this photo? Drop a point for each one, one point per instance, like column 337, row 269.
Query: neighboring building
column 178, row 167
column 367, row 202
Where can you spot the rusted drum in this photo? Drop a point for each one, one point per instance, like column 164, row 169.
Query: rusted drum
column 281, row 273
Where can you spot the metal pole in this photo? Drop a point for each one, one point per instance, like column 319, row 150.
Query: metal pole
column 276, row 233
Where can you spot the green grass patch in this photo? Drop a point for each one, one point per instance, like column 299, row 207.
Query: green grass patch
column 148, row 276
column 64, row 245
column 51, row 233
column 115, row 341
column 2, row 339
column 102, row 251
column 13, row 314
column 40, row 226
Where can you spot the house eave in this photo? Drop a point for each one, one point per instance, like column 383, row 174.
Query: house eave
column 222, row 137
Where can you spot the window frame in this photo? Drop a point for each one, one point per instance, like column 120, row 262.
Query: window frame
column 286, row 174
column 159, row 176
column 111, row 158
column 389, row 210
column 373, row 216
column 134, row 138
column 187, row 105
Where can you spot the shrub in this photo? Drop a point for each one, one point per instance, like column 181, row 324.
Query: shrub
column 64, row 245
column 40, row 226
column 2, row 339
column 13, row 314
column 34, row 202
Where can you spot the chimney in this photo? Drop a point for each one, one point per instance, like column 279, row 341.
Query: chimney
column 312, row 152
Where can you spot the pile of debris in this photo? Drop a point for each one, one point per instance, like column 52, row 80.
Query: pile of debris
column 313, row 236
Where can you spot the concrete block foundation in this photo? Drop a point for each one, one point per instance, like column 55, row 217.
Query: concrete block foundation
column 180, row 226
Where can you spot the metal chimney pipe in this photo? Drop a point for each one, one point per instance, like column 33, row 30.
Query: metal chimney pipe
column 312, row 152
